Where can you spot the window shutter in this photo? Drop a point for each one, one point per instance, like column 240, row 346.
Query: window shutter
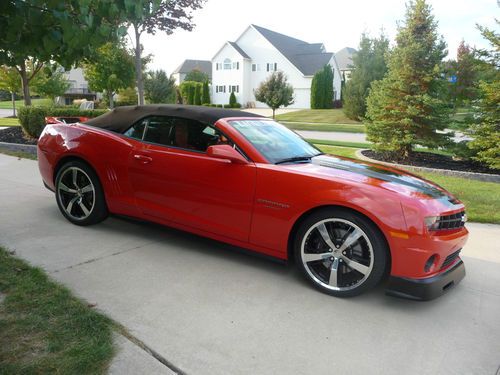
column 267, row 66
column 275, row 66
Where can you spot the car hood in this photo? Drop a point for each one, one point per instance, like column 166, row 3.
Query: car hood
column 344, row 169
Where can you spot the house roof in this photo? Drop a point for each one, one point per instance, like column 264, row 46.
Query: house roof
column 190, row 65
column 238, row 48
column 307, row 57
column 344, row 58
column 122, row 118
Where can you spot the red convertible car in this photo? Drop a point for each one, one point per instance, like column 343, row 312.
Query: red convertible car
column 247, row 180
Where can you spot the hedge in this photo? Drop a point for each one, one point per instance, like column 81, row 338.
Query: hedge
column 32, row 119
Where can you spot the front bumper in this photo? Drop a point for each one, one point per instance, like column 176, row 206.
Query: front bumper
column 427, row 288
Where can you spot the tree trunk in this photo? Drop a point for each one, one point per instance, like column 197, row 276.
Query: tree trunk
column 26, row 84
column 13, row 96
column 274, row 109
column 138, row 67
column 111, row 102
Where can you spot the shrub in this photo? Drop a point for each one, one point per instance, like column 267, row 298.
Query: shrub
column 73, row 112
column 236, row 105
column 232, row 100
column 198, row 93
column 32, row 120
column 206, row 93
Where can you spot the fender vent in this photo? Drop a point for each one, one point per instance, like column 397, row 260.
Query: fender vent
column 450, row 259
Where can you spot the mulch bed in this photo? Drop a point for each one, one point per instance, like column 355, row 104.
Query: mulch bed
column 429, row 160
column 15, row 134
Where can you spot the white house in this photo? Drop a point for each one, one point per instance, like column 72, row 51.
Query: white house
column 242, row 65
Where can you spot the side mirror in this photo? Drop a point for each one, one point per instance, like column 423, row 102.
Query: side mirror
column 226, row 152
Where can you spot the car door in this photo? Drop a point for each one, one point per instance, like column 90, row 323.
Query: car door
column 174, row 180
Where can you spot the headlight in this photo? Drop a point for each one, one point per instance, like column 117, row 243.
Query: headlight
column 432, row 222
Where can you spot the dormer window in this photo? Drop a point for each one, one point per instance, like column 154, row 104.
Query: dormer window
column 227, row 64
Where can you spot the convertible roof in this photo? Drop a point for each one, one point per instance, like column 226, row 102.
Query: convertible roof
column 122, row 118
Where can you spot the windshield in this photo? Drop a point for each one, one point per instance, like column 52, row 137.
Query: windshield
column 275, row 142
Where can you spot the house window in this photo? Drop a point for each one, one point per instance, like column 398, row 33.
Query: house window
column 218, row 66
column 227, row 64
column 234, row 88
column 272, row 67
column 255, row 67
column 236, row 65
column 220, row 89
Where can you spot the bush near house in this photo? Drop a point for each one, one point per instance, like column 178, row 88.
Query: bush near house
column 232, row 100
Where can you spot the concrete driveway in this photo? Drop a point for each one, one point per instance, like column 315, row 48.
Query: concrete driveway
column 206, row 308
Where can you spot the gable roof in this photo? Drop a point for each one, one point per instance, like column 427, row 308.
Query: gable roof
column 190, row 65
column 238, row 48
column 344, row 58
column 308, row 58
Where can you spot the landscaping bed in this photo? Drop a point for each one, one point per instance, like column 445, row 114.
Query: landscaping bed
column 432, row 160
column 15, row 134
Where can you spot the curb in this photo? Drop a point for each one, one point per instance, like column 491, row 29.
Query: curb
column 447, row 172
column 30, row 149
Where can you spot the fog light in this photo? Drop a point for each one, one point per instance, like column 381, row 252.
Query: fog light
column 430, row 263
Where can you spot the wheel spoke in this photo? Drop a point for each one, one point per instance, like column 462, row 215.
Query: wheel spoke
column 69, row 207
column 355, row 265
column 312, row 257
column 63, row 187
column 333, row 280
column 84, row 209
column 74, row 173
column 325, row 235
column 351, row 239
column 87, row 189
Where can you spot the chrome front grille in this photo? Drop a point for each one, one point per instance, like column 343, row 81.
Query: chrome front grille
column 453, row 221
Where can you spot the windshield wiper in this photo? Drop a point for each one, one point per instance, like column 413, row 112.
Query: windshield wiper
column 295, row 158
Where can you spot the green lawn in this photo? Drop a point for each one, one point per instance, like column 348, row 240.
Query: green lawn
column 481, row 199
column 9, row 121
column 325, row 116
column 348, row 128
column 45, row 329
column 7, row 104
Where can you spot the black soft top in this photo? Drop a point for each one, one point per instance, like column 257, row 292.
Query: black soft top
column 122, row 118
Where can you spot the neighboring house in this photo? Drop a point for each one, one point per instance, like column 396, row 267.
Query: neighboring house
column 242, row 65
column 344, row 60
column 79, row 88
column 190, row 65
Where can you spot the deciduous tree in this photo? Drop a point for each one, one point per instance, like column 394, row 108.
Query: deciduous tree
column 51, row 82
column 111, row 69
column 11, row 82
column 34, row 32
column 406, row 107
column 149, row 16
column 196, row 76
column 275, row 91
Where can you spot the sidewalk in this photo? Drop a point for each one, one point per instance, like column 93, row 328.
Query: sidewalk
column 207, row 308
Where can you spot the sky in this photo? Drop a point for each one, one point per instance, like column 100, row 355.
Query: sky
column 335, row 23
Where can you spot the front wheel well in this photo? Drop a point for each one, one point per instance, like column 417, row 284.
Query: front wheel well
column 305, row 215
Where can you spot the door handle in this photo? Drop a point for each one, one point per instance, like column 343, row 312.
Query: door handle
column 143, row 158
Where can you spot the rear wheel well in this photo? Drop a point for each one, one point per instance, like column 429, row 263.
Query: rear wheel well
column 65, row 160
column 305, row 215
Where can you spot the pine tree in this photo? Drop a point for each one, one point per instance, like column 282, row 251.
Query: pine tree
column 406, row 107
column 368, row 65
column 322, row 88
column 206, row 93
column 198, row 93
column 464, row 87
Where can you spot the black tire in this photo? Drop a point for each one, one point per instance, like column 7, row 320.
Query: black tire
column 338, row 221
column 88, row 204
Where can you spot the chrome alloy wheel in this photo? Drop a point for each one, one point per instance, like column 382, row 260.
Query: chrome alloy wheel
column 76, row 193
column 337, row 254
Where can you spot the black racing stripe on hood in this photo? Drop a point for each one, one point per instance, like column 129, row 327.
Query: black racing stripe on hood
column 380, row 174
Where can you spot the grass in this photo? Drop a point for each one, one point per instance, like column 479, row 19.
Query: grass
column 347, row 128
column 325, row 116
column 9, row 121
column 481, row 199
column 45, row 329
column 7, row 104
column 18, row 154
